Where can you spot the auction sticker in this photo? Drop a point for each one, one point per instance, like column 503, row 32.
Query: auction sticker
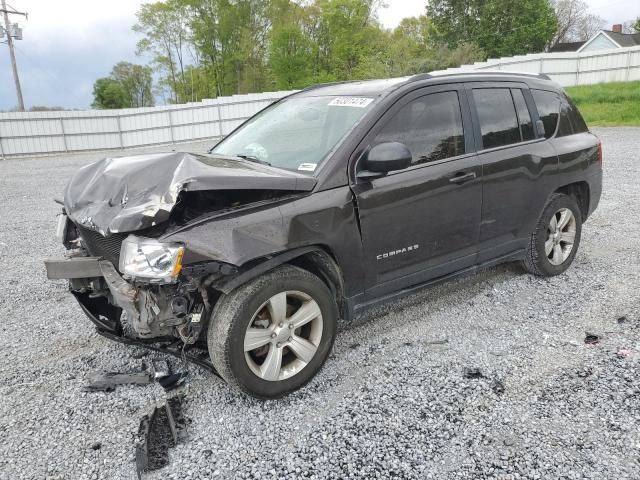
column 358, row 102
column 308, row 167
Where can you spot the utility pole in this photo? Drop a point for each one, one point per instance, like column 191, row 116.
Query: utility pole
column 12, row 53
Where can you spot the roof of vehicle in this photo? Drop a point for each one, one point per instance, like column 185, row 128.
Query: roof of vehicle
column 385, row 86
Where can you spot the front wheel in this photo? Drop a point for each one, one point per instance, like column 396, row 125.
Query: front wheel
column 272, row 335
column 555, row 240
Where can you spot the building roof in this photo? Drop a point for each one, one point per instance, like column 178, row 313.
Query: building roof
column 624, row 39
column 567, row 47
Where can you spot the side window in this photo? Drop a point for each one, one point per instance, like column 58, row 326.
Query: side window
column 497, row 115
column 430, row 126
column 548, row 105
column 524, row 117
column 570, row 119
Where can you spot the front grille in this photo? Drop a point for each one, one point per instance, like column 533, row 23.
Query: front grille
column 99, row 246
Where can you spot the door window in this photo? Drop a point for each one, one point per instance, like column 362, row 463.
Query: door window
column 548, row 105
column 497, row 116
column 524, row 117
column 430, row 126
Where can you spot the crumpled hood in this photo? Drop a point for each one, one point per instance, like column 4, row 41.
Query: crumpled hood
column 132, row 193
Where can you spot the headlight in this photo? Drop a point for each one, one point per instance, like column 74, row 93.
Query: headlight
column 148, row 259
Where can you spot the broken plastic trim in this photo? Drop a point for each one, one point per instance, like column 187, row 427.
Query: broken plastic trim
column 159, row 431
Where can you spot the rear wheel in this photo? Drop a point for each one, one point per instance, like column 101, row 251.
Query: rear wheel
column 272, row 335
column 555, row 241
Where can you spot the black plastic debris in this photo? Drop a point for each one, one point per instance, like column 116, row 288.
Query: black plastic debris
column 107, row 382
column 497, row 386
column 472, row 373
column 623, row 319
column 173, row 381
column 96, row 446
column 591, row 339
column 159, row 431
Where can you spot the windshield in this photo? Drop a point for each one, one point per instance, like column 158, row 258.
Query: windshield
column 297, row 133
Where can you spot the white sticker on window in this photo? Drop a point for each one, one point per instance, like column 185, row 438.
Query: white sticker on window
column 358, row 102
column 308, row 167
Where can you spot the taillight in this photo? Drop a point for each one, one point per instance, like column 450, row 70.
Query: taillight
column 600, row 153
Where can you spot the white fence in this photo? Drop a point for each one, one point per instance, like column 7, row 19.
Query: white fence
column 571, row 68
column 43, row 133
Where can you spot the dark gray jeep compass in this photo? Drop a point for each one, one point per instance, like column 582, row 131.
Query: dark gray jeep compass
column 326, row 202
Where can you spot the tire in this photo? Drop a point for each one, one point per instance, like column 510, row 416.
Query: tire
column 260, row 304
column 538, row 260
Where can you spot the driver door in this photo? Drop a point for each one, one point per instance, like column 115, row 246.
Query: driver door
column 424, row 221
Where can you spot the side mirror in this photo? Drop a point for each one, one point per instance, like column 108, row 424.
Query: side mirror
column 540, row 128
column 386, row 157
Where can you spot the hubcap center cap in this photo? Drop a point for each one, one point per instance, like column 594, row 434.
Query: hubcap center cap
column 282, row 334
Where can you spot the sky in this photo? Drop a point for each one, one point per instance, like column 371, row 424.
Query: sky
column 68, row 44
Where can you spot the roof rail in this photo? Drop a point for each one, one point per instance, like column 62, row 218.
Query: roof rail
column 326, row 84
column 420, row 76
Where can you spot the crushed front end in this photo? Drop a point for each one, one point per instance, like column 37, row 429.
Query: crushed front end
column 138, row 290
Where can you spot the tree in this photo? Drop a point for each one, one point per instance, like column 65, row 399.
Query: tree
column 575, row 23
column 165, row 26
column 499, row 27
column 455, row 21
column 137, row 81
column 291, row 58
column 515, row 28
column 109, row 93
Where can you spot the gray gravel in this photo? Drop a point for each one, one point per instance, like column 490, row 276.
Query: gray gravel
column 392, row 400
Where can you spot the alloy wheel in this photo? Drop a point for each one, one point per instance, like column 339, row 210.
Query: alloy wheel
column 283, row 335
column 561, row 235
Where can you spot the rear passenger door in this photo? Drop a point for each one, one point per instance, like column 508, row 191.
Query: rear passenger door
column 516, row 165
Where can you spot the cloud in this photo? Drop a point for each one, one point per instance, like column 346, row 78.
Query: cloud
column 67, row 45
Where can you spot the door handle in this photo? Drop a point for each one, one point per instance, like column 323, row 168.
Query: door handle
column 462, row 177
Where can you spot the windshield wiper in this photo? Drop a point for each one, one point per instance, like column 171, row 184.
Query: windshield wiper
column 251, row 158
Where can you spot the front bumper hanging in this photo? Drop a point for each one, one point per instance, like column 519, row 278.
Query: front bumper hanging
column 106, row 317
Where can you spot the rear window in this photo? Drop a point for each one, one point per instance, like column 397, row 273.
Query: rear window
column 571, row 122
column 548, row 105
column 497, row 116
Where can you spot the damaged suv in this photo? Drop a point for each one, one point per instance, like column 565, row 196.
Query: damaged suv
column 330, row 200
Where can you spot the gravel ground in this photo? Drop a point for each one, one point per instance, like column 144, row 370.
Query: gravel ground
column 392, row 400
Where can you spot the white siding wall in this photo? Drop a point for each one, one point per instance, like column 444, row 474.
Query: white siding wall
column 43, row 133
column 600, row 42
column 571, row 68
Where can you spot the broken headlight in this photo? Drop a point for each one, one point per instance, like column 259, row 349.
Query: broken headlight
column 149, row 259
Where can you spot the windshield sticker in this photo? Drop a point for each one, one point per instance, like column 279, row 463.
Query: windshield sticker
column 308, row 167
column 358, row 102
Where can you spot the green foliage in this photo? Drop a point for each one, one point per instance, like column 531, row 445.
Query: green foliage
column 109, row 93
column 128, row 86
column 608, row 104
column 499, row 27
column 137, row 81
column 221, row 47
column 515, row 28
column 291, row 57
column 636, row 25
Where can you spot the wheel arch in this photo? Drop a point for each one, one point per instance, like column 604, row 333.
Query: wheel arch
column 581, row 193
column 316, row 259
